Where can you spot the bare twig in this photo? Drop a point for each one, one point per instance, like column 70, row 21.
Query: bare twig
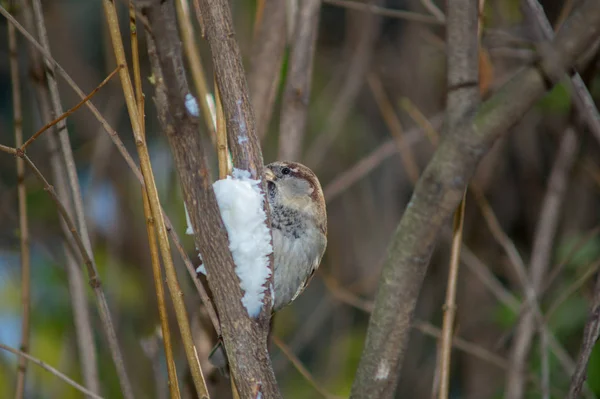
column 124, row 153
column 540, row 261
column 23, row 220
column 265, row 60
column 434, row 10
column 375, row 158
column 150, row 224
column 574, row 287
column 296, row 96
column 51, row 370
column 393, row 122
column 450, row 304
column 584, row 103
column 301, row 369
column 79, row 214
column 438, row 193
column 353, row 82
column 590, row 337
column 70, row 111
column 386, row 12
column 222, row 148
column 196, row 68
column 163, row 240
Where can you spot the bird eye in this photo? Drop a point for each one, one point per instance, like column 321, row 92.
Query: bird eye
column 285, row 171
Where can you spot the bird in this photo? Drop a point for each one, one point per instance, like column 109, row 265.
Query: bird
column 299, row 230
column 298, row 225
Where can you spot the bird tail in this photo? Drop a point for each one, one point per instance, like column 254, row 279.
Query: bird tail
column 218, row 358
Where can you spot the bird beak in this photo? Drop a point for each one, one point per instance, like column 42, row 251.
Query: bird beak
column 269, row 175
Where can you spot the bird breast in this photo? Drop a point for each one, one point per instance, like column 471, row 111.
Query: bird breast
column 297, row 253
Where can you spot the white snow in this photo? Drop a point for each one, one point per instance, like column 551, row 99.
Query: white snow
column 192, row 105
column 241, row 204
column 190, row 230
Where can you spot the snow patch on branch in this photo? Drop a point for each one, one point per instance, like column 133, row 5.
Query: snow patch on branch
column 241, row 201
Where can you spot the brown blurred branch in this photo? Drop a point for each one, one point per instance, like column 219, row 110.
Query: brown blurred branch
column 386, row 12
column 359, row 64
column 265, row 61
column 590, row 338
column 64, row 115
column 133, row 109
column 151, row 225
column 126, row 156
column 391, row 119
column 196, row 68
column 463, row 96
column 540, row 261
column 584, row 103
column 301, row 369
column 245, row 339
column 51, row 370
column 296, row 96
column 372, row 160
column 23, row 219
column 438, row 193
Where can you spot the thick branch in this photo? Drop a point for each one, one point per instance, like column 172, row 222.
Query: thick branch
column 245, row 339
column 436, row 196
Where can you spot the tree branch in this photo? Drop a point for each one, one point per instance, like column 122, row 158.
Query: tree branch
column 540, row 262
column 439, row 191
column 294, row 107
column 245, row 339
column 265, row 62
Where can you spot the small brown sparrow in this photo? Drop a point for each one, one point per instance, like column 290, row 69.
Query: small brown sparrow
column 299, row 228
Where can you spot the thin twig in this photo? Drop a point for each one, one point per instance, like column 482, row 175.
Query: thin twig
column 86, row 346
column 540, row 260
column 160, row 296
column 359, row 64
column 79, row 212
column 584, row 103
column 192, row 53
column 434, row 10
column 51, row 370
column 70, row 111
column 163, row 240
column 371, row 161
column 393, row 122
column 574, row 287
column 450, row 304
column 124, row 153
column 386, row 12
column 296, row 95
column 150, row 225
column 301, row 369
column 23, row 220
column 266, row 56
column 222, row 148
column 591, row 333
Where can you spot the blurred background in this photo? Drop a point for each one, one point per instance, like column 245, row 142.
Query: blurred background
column 378, row 88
